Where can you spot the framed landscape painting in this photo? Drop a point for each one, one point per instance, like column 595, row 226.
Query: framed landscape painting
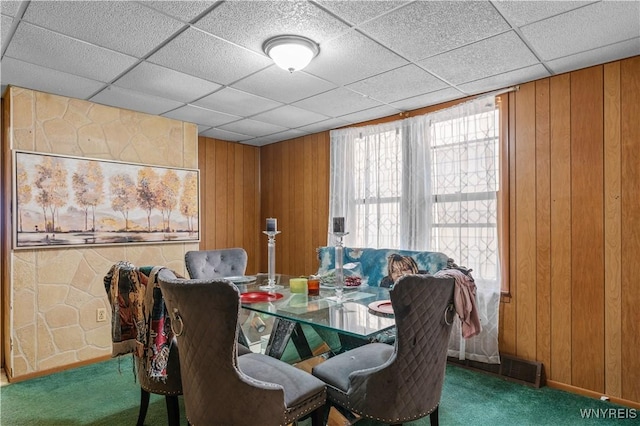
column 75, row 201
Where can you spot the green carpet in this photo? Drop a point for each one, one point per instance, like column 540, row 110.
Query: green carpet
column 106, row 394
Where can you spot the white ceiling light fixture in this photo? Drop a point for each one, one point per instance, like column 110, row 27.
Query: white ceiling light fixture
column 291, row 52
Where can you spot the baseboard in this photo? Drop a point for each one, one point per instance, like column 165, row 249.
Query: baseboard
column 592, row 394
column 518, row 370
column 49, row 371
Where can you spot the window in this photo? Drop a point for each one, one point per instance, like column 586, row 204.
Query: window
column 429, row 183
column 376, row 184
column 465, row 168
column 378, row 187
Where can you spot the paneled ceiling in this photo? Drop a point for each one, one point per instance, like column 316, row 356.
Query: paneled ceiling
column 202, row 61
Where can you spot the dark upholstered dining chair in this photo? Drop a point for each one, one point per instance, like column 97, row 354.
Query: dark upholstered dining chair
column 207, row 264
column 221, row 388
column 140, row 326
column 218, row 263
column 401, row 382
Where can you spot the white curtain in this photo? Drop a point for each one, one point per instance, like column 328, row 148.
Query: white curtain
column 428, row 183
column 465, row 156
column 380, row 182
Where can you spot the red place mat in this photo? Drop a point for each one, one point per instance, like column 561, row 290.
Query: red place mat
column 259, row 296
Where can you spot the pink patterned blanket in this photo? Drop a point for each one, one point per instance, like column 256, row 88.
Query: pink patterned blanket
column 140, row 323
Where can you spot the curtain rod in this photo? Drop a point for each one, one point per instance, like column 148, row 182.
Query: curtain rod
column 406, row 114
column 502, row 91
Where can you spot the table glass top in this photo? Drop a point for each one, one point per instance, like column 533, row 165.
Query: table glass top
column 352, row 316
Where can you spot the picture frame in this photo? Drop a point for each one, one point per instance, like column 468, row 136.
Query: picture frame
column 64, row 201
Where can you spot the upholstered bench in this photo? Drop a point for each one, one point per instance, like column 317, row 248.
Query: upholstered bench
column 373, row 265
column 379, row 268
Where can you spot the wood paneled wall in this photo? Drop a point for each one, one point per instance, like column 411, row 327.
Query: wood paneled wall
column 295, row 190
column 229, row 197
column 574, row 159
column 575, row 234
column 242, row 185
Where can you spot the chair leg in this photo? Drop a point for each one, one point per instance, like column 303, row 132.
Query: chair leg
column 144, row 405
column 173, row 410
column 320, row 416
column 433, row 417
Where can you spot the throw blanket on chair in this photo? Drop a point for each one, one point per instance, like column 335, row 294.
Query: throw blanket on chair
column 464, row 300
column 140, row 323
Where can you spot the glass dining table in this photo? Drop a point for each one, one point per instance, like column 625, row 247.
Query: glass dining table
column 355, row 317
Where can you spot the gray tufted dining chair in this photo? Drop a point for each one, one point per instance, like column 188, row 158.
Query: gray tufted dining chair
column 219, row 263
column 216, row 263
column 137, row 305
column 257, row 389
column 403, row 382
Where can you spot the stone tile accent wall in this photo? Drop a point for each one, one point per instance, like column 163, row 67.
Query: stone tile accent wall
column 55, row 292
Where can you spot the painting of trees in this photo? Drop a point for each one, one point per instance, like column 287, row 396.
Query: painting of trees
column 123, row 196
column 189, row 200
column 23, row 190
column 80, row 201
column 147, row 192
column 52, row 193
column 167, row 196
column 87, row 184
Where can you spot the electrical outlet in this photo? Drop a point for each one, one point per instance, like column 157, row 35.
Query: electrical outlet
column 101, row 315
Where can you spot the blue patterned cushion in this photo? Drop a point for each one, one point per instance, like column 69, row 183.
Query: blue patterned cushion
column 373, row 262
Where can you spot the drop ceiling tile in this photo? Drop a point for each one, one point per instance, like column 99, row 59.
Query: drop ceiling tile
column 237, row 102
column 130, row 27
column 203, row 128
column 330, row 124
column 24, row 74
column 185, row 11
column 194, row 114
column 507, row 79
column 223, row 62
column 481, row 59
column 66, row 54
column 356, row 12
column 337, row 102
column 129, row 99
column 243, row 22
column 589, row 58
column 289, row 116
column 287, row 134
column 425, row 28
column 520, row 13
column 370, row 114
column 283, row 86
column 225, row 135
column 397, row 84
column 420, row 29
column 352, row 57
column 427, row 99
column 590, row 27
column 277, row 137
column 5, row 26
column 9, row 8
column 252, row 128
column 164, row 82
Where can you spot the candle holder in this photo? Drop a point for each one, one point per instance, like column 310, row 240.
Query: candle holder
column 271, row 273
column 339, row 261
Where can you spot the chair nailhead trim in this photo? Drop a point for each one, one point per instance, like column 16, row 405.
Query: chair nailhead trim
column 385, row 420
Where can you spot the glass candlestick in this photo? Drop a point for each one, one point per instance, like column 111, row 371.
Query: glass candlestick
column 339, row 260
column 271, row 273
